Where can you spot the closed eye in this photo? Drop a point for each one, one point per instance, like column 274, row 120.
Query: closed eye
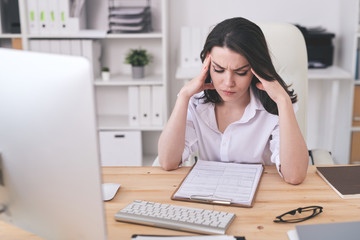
column 238, row 73
column 218, row 71
column 242, row 74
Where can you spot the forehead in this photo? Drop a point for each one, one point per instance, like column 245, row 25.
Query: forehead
column 227, row 58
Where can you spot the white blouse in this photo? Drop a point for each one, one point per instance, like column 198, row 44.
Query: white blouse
column 252, row 139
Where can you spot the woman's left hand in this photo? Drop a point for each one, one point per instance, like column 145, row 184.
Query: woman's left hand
column 273, row 88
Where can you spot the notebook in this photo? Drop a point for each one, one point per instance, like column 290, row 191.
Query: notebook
column 220, row 183
column 344, row 180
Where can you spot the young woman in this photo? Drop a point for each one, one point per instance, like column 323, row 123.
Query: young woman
column 238, row 109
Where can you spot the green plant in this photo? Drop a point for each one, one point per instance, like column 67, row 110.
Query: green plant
column 138, row 57
column 105, row 69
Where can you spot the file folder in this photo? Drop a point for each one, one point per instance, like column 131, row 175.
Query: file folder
column 185, row 47
column 75, row 47
column 53, row 16
column 63, row 8
column 145, row 105
column 54, row 46
column 65, row 47
column 45, row 46
column 43, row 7
column 35, row 45
column 133, row 100
column 33, row 17
column 157, row 106
column 195, row 46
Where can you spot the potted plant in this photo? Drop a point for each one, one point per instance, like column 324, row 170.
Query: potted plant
column 138, row 58
column 105, row 74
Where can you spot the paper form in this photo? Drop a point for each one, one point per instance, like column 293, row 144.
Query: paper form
column 231, row 182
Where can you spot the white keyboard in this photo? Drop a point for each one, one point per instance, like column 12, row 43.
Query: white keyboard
column 176, row 217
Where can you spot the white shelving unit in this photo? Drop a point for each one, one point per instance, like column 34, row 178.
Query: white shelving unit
column 328, row 102
column 355, row 124
column 112, row 104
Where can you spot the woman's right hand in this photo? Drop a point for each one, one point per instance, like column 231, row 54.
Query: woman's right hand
column 197, row 84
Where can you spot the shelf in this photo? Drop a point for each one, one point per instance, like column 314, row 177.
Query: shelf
column 329, row 73
column 83, row 34
column 10, row 35
column 135, row 35
column 121, row 122
column 95, row 34
column 127, row 80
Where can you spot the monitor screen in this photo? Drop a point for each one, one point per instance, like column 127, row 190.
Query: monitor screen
column 50, row 176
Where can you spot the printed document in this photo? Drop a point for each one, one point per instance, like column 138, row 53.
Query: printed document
column 234, row 183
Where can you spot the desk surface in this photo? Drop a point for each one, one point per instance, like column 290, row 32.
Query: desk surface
column 274, row 197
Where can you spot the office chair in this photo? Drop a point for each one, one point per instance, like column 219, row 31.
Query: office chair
column 288, row 52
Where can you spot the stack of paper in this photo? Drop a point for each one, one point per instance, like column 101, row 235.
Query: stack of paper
column 129, row 19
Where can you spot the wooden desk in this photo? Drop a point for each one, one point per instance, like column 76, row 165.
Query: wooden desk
column 274, row 197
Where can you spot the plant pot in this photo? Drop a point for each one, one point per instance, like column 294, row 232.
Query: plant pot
column 105, row 76
column 138, row 72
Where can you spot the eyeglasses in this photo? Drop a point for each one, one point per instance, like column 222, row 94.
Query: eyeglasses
column 305, row 213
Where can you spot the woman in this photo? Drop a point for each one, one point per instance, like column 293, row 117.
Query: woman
column 238, row 109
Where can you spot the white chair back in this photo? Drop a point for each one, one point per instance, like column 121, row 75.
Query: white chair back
column 288, row 52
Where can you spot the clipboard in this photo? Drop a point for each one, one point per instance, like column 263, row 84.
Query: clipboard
column 218, row 199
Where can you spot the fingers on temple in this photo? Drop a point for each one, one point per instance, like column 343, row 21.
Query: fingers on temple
column 206, row 62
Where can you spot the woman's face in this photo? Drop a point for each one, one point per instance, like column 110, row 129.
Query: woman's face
column 230, row 73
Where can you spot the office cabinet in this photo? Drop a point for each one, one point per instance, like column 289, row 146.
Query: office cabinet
column 114, row 98
column 120, row 148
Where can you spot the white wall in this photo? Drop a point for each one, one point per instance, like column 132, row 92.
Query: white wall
column 329, row 14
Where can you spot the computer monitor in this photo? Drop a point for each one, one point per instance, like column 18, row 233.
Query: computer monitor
column 50, row 176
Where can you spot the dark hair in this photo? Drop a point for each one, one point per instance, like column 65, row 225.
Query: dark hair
column 245, row 37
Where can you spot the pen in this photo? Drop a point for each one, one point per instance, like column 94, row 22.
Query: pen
column 211, row 199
